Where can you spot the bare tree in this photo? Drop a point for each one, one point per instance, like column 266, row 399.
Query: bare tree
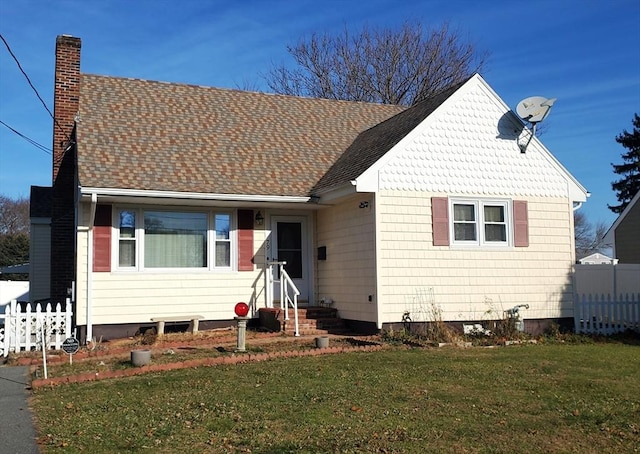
column 14, row 234
column 589, row 238
column 390, row 66
column 14, row 215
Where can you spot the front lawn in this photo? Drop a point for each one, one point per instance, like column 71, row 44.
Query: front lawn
column 530, row 398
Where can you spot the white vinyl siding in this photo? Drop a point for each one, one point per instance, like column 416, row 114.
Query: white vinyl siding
column 135, row 297
column 472, row 283
column 347, row 276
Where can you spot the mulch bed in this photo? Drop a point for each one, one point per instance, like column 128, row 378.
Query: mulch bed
column 178, row 351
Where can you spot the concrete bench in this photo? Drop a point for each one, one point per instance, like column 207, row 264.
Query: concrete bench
column 192, row 319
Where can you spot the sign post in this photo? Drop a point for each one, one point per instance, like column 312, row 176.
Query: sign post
column 71, row 346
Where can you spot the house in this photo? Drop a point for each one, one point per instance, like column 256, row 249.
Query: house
column 40, row 201
column 173, row 199
column 623, row 234
column 596, row 259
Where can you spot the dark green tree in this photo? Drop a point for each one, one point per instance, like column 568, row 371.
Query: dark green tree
column 629, row 185
column 14, row 249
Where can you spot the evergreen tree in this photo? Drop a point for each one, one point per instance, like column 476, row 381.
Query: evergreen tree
column 627, row 186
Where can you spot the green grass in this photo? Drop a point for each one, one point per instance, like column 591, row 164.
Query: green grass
column 535, row 398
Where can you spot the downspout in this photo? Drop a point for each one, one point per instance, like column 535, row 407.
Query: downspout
column 376, row 255
column 89, row 290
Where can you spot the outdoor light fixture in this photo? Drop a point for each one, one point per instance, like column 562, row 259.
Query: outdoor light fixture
column 259, row 218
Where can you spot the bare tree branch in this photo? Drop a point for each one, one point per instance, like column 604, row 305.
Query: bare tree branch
column 14, row 215
column 589, row 238
column 390, row 66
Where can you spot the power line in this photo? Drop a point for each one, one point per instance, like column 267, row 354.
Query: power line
column 31, row 141
column 32, row 86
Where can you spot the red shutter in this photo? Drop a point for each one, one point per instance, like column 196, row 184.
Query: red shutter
column 102, row 239
column 245, row 240
column 440, row 220
column 520, row 224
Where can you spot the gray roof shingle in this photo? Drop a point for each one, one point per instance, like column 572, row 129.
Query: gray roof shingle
column 137, row 134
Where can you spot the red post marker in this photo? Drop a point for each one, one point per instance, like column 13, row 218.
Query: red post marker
column 242, row 309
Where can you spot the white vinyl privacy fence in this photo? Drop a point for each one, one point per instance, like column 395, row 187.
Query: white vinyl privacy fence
column 606, row 298
column 27, row 329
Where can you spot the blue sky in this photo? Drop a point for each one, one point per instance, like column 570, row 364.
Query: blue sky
column 583, row 52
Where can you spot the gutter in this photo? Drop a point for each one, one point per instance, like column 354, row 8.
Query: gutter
column 196, row 196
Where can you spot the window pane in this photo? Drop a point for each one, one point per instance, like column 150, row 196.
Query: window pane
column 175, row 240
column 127, row 253
column 495, row 228
column 127, row 224
column 223, row 253
column 493, row 213
column 290, row 247
column 289, row 235
column 294, row 263
column 464, row 232
column 495, row 232
column 464, row 212
column 222, row 226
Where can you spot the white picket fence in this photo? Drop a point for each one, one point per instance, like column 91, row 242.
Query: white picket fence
column 27, row 330
column 604, row 314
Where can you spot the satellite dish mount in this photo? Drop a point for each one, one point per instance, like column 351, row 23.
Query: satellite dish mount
column 533, row 110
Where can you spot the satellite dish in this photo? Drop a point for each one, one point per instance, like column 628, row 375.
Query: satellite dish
column 533, row 110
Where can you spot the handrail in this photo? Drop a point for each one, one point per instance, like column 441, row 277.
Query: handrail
column 286, row 285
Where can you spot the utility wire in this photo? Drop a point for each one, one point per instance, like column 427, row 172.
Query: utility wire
column 32, row 86
column 31, row 141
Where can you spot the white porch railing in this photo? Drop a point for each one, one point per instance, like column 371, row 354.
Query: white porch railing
column 604, row 314
column 24, row 330
column 288, row 291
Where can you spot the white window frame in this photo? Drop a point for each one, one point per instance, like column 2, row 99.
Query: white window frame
column 480, row 223
column 140, row 244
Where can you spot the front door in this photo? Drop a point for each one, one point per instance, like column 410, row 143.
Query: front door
column 289, row 243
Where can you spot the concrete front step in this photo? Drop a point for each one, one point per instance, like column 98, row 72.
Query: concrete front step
column 312, row 320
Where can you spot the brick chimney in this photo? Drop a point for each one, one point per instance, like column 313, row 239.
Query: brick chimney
column 63, row 210
column 66, row 96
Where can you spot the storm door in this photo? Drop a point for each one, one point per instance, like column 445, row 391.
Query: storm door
column 289, row 243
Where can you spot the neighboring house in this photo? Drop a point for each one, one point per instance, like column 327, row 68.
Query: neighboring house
column 623, row 234
column 596, row 259
column 12, row 290
column 172, row 199
column 40, row 243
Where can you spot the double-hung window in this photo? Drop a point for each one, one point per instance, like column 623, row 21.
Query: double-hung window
column 158, row 239
column 480, row 222
column 127, row 239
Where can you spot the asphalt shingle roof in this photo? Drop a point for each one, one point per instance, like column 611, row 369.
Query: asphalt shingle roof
column 137, row 134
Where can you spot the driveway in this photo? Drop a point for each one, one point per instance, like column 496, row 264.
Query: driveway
column 17, row 431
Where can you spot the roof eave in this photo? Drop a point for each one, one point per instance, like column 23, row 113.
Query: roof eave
column 188, row 198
